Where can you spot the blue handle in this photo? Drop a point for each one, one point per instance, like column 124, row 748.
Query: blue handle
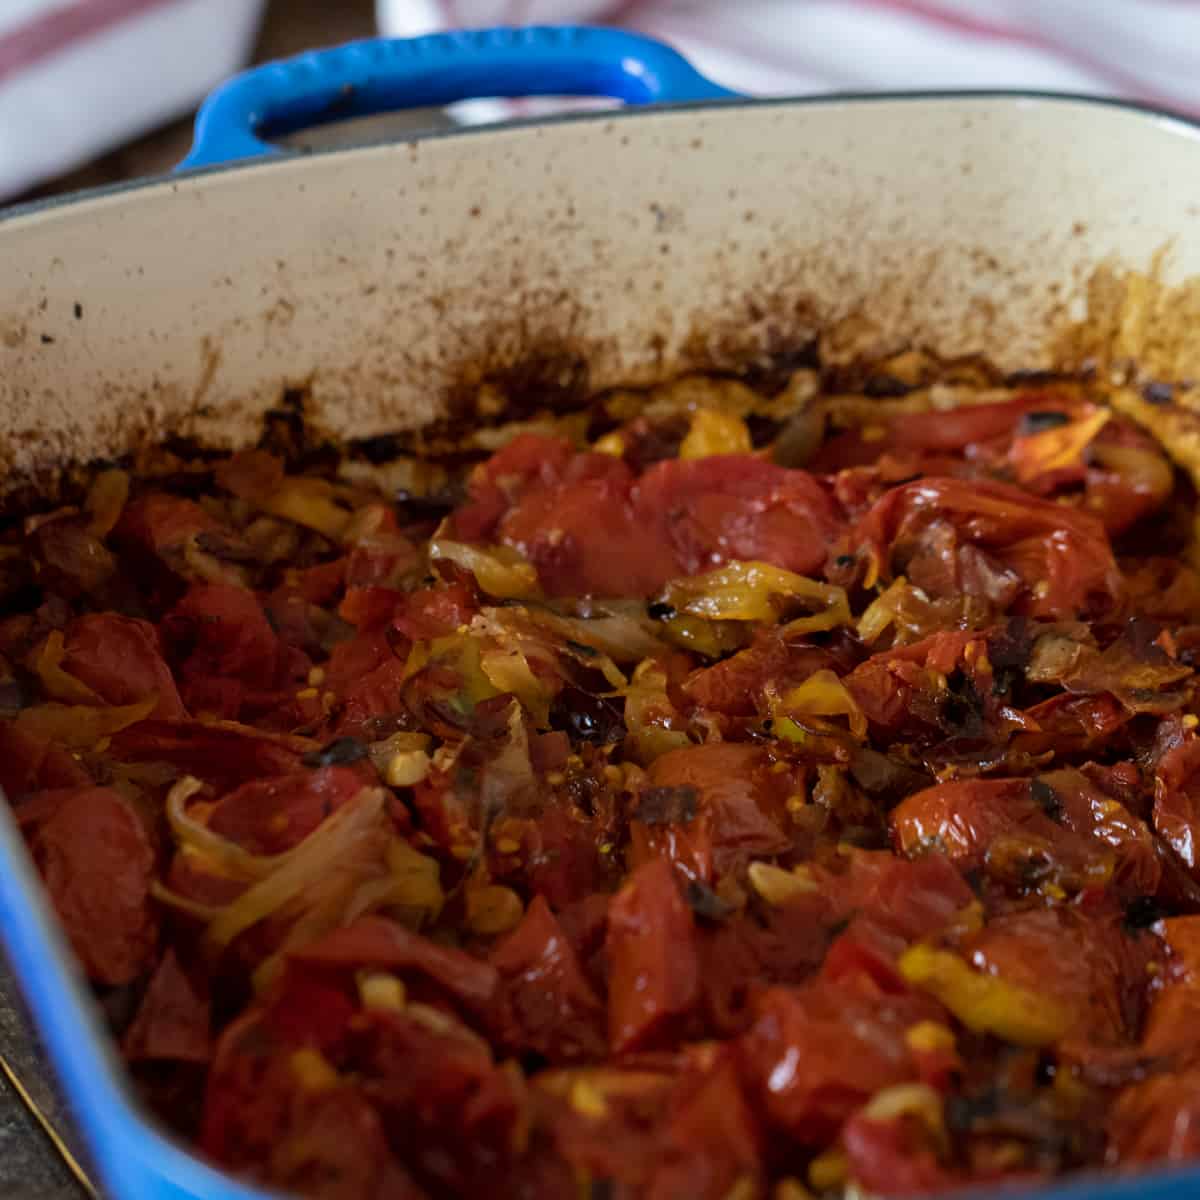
column 382, row 75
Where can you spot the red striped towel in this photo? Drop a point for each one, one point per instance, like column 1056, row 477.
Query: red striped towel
column 78, row 77
column 1146, row 50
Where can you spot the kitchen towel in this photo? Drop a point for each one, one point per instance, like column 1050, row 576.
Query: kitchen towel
column 78, row 77
column 1146, row 50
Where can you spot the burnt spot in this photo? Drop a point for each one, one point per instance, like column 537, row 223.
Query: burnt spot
column 771, row 374
column 705, row 903
column 341, row 752
column 884, row 387
column 587, row 718
column 1158, row 393
column 1046, row 798
column 1041, row 420
column 667, row 805
column 659, row 610
column 1008, row 652
column 384, row 447
column 1141, row 635
column 883, row 778
column 581, row 648
column 288, row 434
column 1033, row 378
column 554, row 378
column 1141, row 913
column 763, row 429
column 961, row 711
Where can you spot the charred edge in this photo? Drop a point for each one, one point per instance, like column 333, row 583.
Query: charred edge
column 1041, row 420
column 1046, row 798
column 1158, row 393
column 340, row 752
column 1141, row 913
column 705, row 903
column 552, row 378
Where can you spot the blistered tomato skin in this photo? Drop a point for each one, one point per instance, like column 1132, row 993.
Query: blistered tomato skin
column 716, row 793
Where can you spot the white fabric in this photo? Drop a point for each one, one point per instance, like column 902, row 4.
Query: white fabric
column 1140, row 49
column 119, row 80
column 99, row 91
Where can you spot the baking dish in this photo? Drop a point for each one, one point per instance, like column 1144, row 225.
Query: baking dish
column 384, row 283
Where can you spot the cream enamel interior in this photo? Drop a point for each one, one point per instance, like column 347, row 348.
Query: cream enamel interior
column 384, row 278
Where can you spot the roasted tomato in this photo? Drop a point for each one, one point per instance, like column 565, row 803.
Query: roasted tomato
column 677, row 518
column 993, row 540
column 741, row 789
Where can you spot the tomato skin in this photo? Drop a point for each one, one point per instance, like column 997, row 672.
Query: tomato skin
column 1072, row 724
column 679, row 517
column 369, row 608
column 160, row 523
column 377, row 694
column 968, row 819
column 269, row 816
column 1158, row 1120
column 737, row 506
column 120, row 659
column 739, row 809
column 434, row 612
column 311, row 1007
column 378, row 942
column 349, row 661
column 319, row 584
column 711, row 1137
column 557, row 530
column 735, row 686
column 227, row 633
column 886, row 1160
column 1081, row 961
column 565, row 864
column 223, row 755
column 817, row 1053
column 743, row 954
column 899, row 690
column 173, row 1020
column 1060, row 555
column 555, row 1011
column 1177, row 802
column 910, row 900
column 31, row 764
column 1175, row 1008
column 97, row 864
column 247, row 1093
column 655, row 968
column 449, row 1111
column 530, row 460
column 961, row 427
column 335, row 1148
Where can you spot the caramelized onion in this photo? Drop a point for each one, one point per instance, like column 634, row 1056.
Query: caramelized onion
column 301, row 867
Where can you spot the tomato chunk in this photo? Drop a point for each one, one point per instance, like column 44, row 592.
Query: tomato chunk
column 678, row 518
column 121, row 659
column 555, row 1010
column 97, row 863
column 655, row 968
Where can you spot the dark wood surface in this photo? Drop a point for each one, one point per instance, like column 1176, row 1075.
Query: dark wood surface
column 30, row 1167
